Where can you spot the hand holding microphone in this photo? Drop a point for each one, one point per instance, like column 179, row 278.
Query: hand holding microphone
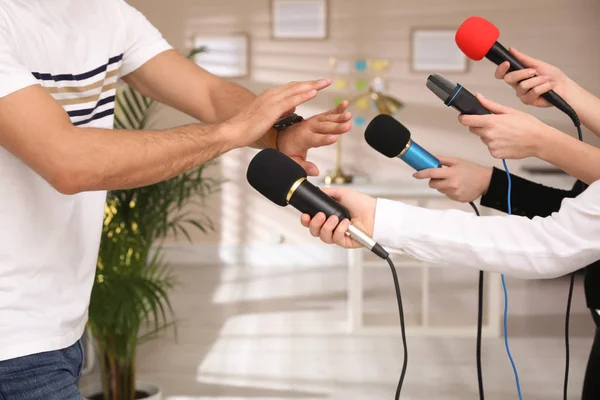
column 463, row 181
column 477, row 38
column 509, row 133
column 283, row 181
column 330, row 230
column 536, row 79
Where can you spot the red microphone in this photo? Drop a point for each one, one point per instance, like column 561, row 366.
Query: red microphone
column 478, row 38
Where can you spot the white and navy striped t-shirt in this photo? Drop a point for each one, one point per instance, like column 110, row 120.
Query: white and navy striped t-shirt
column 76, row 50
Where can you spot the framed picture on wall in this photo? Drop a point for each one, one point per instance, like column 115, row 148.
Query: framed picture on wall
column 435, row 50
column 227, row 56
column 299, row 19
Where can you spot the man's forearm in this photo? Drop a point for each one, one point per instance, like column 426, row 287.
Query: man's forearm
column 576, row 158
column 100, row 159
column 173, row 80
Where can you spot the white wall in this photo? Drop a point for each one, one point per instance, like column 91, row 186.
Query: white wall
column 563, row 32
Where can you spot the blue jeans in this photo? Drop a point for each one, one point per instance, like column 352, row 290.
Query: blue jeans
column 52, row 375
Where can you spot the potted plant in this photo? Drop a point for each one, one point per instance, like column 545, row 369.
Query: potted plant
column 130, row 297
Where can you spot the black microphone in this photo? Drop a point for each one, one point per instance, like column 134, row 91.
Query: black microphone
column 281, row 180
column 477, row 38
column 389, row 137
column 455, row 95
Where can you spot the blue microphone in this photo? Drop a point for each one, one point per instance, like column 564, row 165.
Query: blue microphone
column 389, row 137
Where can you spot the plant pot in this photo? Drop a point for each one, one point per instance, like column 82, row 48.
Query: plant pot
column 153, row 391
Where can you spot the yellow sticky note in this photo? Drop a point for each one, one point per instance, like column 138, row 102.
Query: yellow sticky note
column 362, row 103
column 380, row 65
column 340, row 83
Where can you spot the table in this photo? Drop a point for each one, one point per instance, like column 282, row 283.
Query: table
column 419, row 191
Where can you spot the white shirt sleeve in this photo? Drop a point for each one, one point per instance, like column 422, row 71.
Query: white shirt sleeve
column 14, row 75
column 526, row 248
column 142, row 42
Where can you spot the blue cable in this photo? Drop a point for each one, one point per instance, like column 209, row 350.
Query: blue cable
column 512, row 362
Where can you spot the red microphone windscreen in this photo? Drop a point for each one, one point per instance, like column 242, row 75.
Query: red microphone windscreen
column 476, row 36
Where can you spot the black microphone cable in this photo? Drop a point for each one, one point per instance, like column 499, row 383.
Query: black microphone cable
column 571, row 286
column 402, row 326
column 479, row 322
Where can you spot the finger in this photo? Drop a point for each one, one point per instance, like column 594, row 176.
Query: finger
column 305, row 220
column 475, row 120
column 486, row 141
column 423, row 174
column 316, row 224
column 493, row 106
column 526, row 60
column 502, row 70
column 532, row 96
column 439, row 184
column 326, row 234
column 338, row 118
column 310, row 168
column 481, row 132
column 340, row 108
column 331, row 128
column 292, row 89
column 336, row 193
column 321, row 140
column 513, row 78
column 528, row 84
column 448, row 161
column 432, row 173
column 296, row 100
column 303, row 86
column 339, row 236
column 310, row 85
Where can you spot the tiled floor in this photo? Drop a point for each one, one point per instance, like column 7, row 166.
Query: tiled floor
column 261, row 333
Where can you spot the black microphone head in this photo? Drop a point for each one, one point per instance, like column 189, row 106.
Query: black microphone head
column 386, row 135
column 272, row 174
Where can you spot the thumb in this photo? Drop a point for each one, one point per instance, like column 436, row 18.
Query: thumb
column 524, row 58
column 492, row 106
column 334, row 192
column 448, row 161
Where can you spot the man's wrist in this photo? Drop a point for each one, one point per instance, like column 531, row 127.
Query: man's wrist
column 272, row 139
column 229, row 136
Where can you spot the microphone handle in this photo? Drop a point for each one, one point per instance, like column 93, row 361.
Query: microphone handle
column 466, row 102
column 419, row 158
column 498, row 54
column 309, row 199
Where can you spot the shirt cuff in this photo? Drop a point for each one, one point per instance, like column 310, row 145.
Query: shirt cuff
column 495, row 196
column 389, row 220
column 138, row 58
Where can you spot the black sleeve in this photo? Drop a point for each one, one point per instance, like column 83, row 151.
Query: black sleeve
column 528, row 198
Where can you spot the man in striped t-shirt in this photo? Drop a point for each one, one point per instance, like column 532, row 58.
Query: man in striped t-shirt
column 59, row 65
